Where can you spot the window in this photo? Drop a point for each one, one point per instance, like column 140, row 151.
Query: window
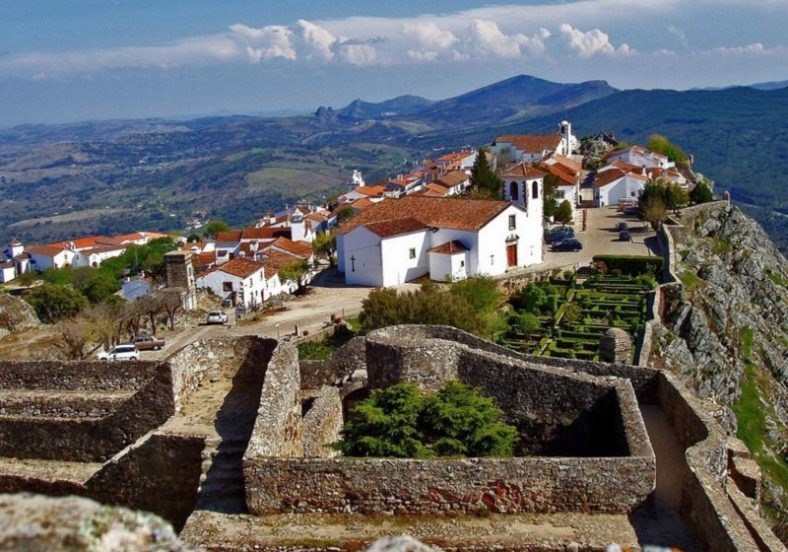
column 492, row 260
column 535, row 190
column 412, row 253
column 514, row 191
column 512, row 222
column 227, row 286
column 462, row 264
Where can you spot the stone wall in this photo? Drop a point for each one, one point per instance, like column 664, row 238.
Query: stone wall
column 160, row 474
column 278, row 429
column 322, row 423
column 345, row 360
column 403, row 487
column 214, row 357
column 133, row 397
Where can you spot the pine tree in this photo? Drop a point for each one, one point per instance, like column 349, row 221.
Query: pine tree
column 483, row 177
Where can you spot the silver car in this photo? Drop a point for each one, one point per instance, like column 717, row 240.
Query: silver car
column 120, row 352
column 216, row 317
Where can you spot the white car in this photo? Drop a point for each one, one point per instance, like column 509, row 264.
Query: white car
column 216, row 317
column 120, row 352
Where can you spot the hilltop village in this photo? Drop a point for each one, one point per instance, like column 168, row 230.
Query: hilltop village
column 494, row 350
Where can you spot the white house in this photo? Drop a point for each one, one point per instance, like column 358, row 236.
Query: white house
column 94, row 256
column 7, row 271
column 241, row 281
column 641, row 157
column 405, row 184
column 43, row 257
column 569, row 173
column 534, row 147
column 612, row 184
column 399, row 240
column 456, row 182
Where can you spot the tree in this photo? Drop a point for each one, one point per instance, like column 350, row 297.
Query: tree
column 100, row 287
column 652, row 204
column 675, row 197
column 53, row 302
column 660, row 144
column 533, row 298
column 483, row 177
column 344, row 214
column 564, row 213
column 701, row 193
column 528, row 323
column 404, row 422
column 216, row 226
column 325, row 244
column 81, row 335
column 171, row 302
column 551, row 183
column 193, row 238
column 151, row 306
column 295, row 272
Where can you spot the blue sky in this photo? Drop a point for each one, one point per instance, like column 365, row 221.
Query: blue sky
column 68, row 60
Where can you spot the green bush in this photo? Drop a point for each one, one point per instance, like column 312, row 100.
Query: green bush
column 401, row 421
column 631, row 264
column 528, row 322
column 53, row 302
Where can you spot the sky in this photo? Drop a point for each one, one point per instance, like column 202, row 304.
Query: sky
column 72, row 60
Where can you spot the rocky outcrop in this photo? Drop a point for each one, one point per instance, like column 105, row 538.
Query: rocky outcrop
column 34, row 522
column 15, row 314
column 724, row 329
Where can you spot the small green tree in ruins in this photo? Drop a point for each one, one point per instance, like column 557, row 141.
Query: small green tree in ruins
column 483, row 177
column 402, row 421
column 563, row 213
column 701, row 193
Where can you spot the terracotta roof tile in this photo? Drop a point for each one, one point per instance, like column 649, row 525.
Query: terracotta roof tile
column 46, row 250
column 453, row 178
column 395, row 227
column 371, row 191
column 241, row 267
column 441, row 212
column 524, row 170
column 609, row 176
column 531, row 143
column 449, row 248
column 299, row 248
column 362, row 204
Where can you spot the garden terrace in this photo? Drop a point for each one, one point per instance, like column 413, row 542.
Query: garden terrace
column 574, row 315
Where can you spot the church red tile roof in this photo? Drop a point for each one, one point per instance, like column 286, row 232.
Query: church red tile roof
column 523, row 170
column 439, row 212
column 531, row 143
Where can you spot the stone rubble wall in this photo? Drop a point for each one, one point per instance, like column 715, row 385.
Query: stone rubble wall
column 278, row 429
column 345, row 360
column 85, row 439
column 433, row 487
column 215, row 357
column 322, row 424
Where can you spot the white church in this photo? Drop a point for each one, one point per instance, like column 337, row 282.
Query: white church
column 398, row 240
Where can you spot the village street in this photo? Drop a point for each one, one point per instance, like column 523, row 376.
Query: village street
column 329, row 295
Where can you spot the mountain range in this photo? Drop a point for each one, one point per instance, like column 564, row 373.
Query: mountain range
column 113, row 176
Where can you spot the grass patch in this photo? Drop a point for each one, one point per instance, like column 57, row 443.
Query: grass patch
column 690, row 280
column 322, row 350
column 720, row 247
column 777, row 278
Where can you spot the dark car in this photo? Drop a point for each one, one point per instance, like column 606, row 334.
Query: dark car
column 631, row 210
column 569, row 244
column 621, row 226
column 624, row 235
column 559, row 234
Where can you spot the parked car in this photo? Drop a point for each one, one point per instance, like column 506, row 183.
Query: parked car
column 216, row 317
column 126, row 351
column 569, row 244
column 621, row 226
column 625, row 235
column 560, row 233
column 148, row 343
column 631, row 210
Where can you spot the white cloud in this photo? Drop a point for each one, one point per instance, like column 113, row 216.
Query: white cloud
column 679, row 34
column 318, row 41
column 591, row 43
column 486, row 39
column 755, row 48
column 429, row 35
column 358, row 54
column 266, row 43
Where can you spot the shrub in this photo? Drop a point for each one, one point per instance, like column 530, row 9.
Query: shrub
column 631, row 264
column 572, row 312
column 401, row 421
column 533, row 298
column 53, row 302
column 528, row 322
column 646, row 280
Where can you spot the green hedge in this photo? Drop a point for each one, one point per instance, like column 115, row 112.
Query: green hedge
column 631, row 264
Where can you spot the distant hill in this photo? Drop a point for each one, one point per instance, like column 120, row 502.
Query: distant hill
column 773, row 85
column 101, row 177
column 400, row 106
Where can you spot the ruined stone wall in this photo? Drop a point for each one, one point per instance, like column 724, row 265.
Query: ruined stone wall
column 220, row 356
column 322, row 424
column 345, row 360
column 433, row 487
column 160, row 474
column 278, row 429
column 134, row 399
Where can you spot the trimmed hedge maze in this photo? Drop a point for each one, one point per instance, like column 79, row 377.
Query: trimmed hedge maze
column 567, row 317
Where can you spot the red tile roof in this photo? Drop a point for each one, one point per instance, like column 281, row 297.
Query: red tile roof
column 395, row 227
column 362, row 204
column 523, row 170
column 568, row 163
column 45, row 250
column 298, row 248
column 371, row 191
column 441, row 212
column 565, row 177
column 453, row 178
column 449, row 248
column 609, row 176
column 438, row 188
column 274, row 261
column 135, row 236
column 241, row 267
column 531, row 143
